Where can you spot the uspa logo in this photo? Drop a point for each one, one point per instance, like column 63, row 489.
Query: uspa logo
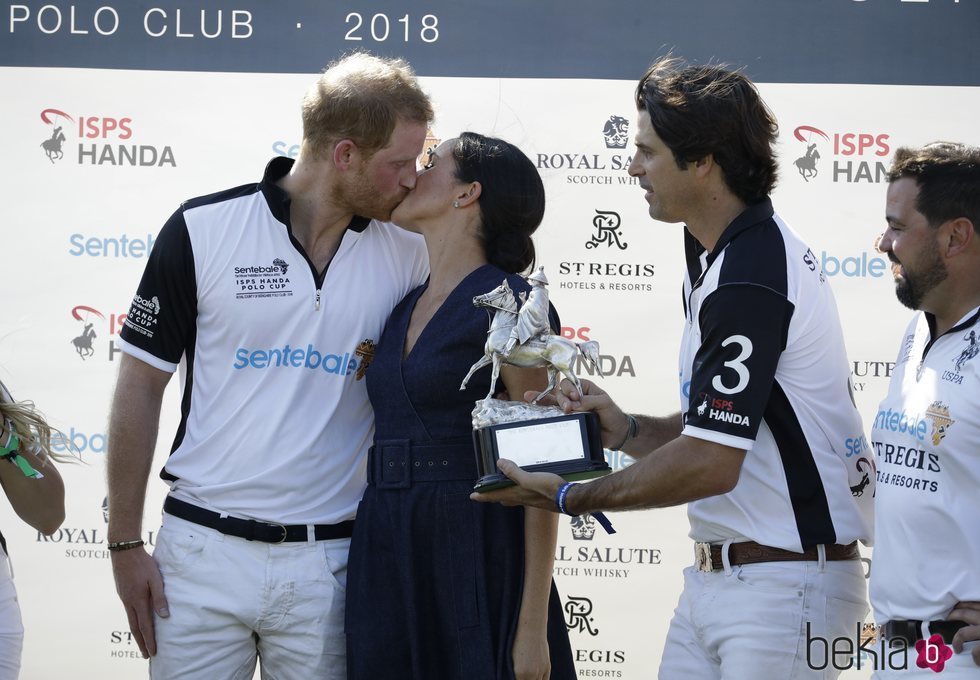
column 969, row 352
column 853, row 155
column 581, row 166
column 99, row 140
column 90, row 325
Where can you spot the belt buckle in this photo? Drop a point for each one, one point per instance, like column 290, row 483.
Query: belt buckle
column 393, row 466
column 284, row 532
column 702, row 557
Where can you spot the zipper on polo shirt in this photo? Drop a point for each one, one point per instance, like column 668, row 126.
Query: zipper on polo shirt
column 316, row 301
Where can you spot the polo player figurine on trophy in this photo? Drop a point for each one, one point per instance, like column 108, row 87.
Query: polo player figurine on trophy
column 537, row 438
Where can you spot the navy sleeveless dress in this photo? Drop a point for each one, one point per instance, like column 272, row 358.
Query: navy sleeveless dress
column 434, row 580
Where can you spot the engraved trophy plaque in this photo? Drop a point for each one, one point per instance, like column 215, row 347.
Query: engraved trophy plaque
column 537, row 438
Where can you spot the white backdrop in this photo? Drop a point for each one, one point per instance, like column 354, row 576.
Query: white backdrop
column 76, row 230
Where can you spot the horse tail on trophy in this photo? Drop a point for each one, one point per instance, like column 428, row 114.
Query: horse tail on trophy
column 590, row 352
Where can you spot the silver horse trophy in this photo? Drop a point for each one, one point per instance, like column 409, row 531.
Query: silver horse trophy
column 538, row 438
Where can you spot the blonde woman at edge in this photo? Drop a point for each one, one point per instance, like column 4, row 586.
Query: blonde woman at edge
column 36, row 493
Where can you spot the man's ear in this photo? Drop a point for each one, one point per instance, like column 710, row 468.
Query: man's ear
column 344, row 154
column 956, row 236
column 703, row 166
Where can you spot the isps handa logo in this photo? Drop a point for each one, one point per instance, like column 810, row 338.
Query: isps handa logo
column 847, row 157
column 608, row 364
column 92, row 329
column 99, row 140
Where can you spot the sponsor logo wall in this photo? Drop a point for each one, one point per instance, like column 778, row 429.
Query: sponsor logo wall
column 98, row 159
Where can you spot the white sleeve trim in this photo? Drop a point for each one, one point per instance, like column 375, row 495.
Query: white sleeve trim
column 145, row 357
column 718, row 437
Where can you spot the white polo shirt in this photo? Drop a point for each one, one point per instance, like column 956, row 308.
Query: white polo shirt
column 275, row 419
column 926, row 438
column 763, row 369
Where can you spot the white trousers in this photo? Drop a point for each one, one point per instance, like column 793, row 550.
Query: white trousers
column 11, row 627
column 752, row 621
column 234, row 601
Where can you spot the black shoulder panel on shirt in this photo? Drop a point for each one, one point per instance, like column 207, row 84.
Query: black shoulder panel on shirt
column 219, row 196
column 757, row 256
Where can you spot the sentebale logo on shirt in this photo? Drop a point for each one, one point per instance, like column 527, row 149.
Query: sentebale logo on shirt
column 288, row 357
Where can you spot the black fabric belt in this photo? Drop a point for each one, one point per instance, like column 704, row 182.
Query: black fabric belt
column 253, row 530
column 398, row 463
column 911, row 631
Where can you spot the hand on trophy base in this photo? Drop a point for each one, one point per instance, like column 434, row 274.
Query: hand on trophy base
column 536, row 438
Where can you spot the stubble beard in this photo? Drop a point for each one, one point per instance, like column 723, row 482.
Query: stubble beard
column 912, row 288
column 362, row 198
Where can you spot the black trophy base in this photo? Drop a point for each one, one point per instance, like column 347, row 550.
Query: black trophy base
column 570, row 443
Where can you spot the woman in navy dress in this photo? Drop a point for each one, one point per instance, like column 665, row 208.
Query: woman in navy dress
column 440, row 587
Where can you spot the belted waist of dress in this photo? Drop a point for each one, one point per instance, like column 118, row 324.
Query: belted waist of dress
column 399, row 463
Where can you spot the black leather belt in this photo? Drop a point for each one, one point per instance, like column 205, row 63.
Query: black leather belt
column 399, row 463
column 911, row 631
column 253, row 530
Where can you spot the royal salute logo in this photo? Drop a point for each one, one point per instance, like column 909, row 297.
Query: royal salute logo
column 583, row 166
column 854, row 155
column 606, row 223
column 616, row 132
column 88, row 542
column 99, row 140
column 583, row 527
column 865, row 371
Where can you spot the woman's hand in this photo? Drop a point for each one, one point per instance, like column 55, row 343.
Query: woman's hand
column 530, row 653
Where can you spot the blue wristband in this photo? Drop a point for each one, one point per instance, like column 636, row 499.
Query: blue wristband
column 560, row 502
column 560, row 498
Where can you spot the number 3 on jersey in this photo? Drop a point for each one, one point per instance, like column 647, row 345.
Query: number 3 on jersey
column 737, row 364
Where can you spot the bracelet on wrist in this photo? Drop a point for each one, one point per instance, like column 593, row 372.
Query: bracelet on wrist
column 560, row 502
column 560, row 498
column 631, row 427
column 119, row 546
column 11, row 452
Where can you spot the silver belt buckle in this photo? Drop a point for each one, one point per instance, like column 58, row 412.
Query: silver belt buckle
column 702, row 557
